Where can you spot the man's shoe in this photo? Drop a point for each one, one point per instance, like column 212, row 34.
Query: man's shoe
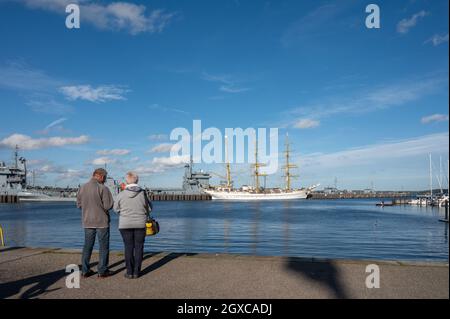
column 90, row 273
column 135, row 276
column 106, row 274
column 128, row 276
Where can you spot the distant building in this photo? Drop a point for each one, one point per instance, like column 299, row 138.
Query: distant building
column 330, row 190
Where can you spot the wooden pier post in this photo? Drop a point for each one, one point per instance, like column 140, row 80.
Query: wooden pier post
column 9, row 199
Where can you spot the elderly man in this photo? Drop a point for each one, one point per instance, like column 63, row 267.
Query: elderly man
column 95, row 201
column 133, row 207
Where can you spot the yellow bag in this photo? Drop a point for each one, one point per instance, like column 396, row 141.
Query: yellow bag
column 152, row 227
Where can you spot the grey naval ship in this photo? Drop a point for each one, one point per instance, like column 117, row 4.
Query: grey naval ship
column 13, row 181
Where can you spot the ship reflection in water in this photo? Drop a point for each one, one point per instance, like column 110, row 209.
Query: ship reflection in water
column 330, row 228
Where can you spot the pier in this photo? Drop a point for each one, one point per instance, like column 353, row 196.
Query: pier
column 179, row 197
column 27, row 273
column 9, row 199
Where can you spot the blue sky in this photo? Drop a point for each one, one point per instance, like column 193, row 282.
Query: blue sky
column 362, row 105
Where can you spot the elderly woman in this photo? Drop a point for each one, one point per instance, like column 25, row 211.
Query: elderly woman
column 133, row 207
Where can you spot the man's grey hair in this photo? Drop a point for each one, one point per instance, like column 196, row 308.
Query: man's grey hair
column 132, row 178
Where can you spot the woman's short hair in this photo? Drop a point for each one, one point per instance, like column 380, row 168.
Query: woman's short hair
column 132, row 178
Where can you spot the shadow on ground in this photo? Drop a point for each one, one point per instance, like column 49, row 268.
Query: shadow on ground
column 323, row 272
column 41, row 284
column 163, row 261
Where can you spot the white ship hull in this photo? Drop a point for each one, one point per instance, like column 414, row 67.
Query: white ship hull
column 248, row 196
column 37, row 197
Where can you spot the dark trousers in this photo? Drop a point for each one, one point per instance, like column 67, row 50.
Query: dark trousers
column 134, row 249
column 89, row 242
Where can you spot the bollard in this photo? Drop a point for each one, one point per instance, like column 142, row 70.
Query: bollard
column 2, row 239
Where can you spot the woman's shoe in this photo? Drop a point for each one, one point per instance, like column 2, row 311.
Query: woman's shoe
column 106, row 274
column 128, row 276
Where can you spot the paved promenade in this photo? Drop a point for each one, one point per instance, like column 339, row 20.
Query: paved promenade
column 40, row 273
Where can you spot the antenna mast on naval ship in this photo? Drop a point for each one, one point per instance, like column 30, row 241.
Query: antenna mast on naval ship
column 16, row 157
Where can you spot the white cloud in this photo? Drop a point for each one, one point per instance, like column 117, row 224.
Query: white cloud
column 306, row 123
column 55, row 125
column 363, row 101
column 229, row 84
column 438, row 39
column 312, row 24
column 114, row 152
column 19, row 76
column 372, row 154
column 434, row 118
column 37, row 86
column 28, row 143
column 166, row 109
column 161, row 164
column 165, row 148
column 406, row 24
column 44, row 168
column 72, row 174
column 158, row 137
column 232, row 89
column 101, row 93
column 102, row 161
column 115, row 16
column 171, row 161
column 47, row 104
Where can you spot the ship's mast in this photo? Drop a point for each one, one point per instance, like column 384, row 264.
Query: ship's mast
column 257, row 173
column 229, row 182
column 288, row 166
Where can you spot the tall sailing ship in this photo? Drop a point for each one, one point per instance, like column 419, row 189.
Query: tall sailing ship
column 247, row 193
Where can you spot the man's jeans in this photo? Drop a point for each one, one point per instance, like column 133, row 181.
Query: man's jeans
column 89, row 241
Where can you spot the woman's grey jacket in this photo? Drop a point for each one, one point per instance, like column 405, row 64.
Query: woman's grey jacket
column 133, row 207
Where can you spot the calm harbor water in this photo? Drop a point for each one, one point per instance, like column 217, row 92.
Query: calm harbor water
column 355, row 229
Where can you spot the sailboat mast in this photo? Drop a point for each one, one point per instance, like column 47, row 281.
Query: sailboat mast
column 431, row 178
column 288, row 173
column 256, row 167
column 288, row 166
column 440, row 173
column 227, row 164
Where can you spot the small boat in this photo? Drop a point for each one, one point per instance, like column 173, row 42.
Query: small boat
column 27, row 196
column 382, row 204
